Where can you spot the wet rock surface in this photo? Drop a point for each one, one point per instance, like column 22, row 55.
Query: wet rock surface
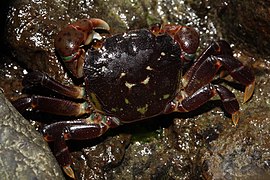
column 23, row 152
column 196, row 145
column 242, row 27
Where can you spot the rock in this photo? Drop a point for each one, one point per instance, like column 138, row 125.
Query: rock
column 241, row 22
column 93, row 161
column 23, row 152
column 30, row 32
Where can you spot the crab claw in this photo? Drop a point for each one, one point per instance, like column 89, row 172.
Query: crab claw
column 100, row 24
column 70, row 41
column 186, row 37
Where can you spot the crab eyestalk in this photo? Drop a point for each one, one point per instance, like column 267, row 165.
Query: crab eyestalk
column 186, row 37
column 70, row 41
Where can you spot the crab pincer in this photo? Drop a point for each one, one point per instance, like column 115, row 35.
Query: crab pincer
column 70, row 42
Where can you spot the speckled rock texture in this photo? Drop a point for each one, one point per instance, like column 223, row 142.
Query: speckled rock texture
column 23, row 152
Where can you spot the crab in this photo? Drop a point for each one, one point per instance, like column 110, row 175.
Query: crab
column 130, row 77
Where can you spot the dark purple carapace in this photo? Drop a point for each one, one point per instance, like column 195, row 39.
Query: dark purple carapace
column 135, row 74
column 130, row 77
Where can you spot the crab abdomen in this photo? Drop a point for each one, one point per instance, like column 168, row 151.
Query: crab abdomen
column 134, row 75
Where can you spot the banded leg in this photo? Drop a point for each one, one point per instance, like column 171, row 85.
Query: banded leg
column 203, row 95
column 52, row 105
column 82, row 129
column 38, row 78
column 196, row 83
column 240, row 73
column 217, row 55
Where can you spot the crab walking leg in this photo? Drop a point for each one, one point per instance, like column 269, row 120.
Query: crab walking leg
column 240, row 73
column 215, row 48
column 217, row 55
column 83, row 129
column 197, row 88
column 37, row 78
column 201, row 96
column 52, row 106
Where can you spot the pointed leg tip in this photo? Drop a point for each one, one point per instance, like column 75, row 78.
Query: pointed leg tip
column 69, row 171
column 249, row 91
column 235, row 118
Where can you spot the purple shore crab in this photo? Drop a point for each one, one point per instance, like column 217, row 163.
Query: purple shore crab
column 130, row 77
